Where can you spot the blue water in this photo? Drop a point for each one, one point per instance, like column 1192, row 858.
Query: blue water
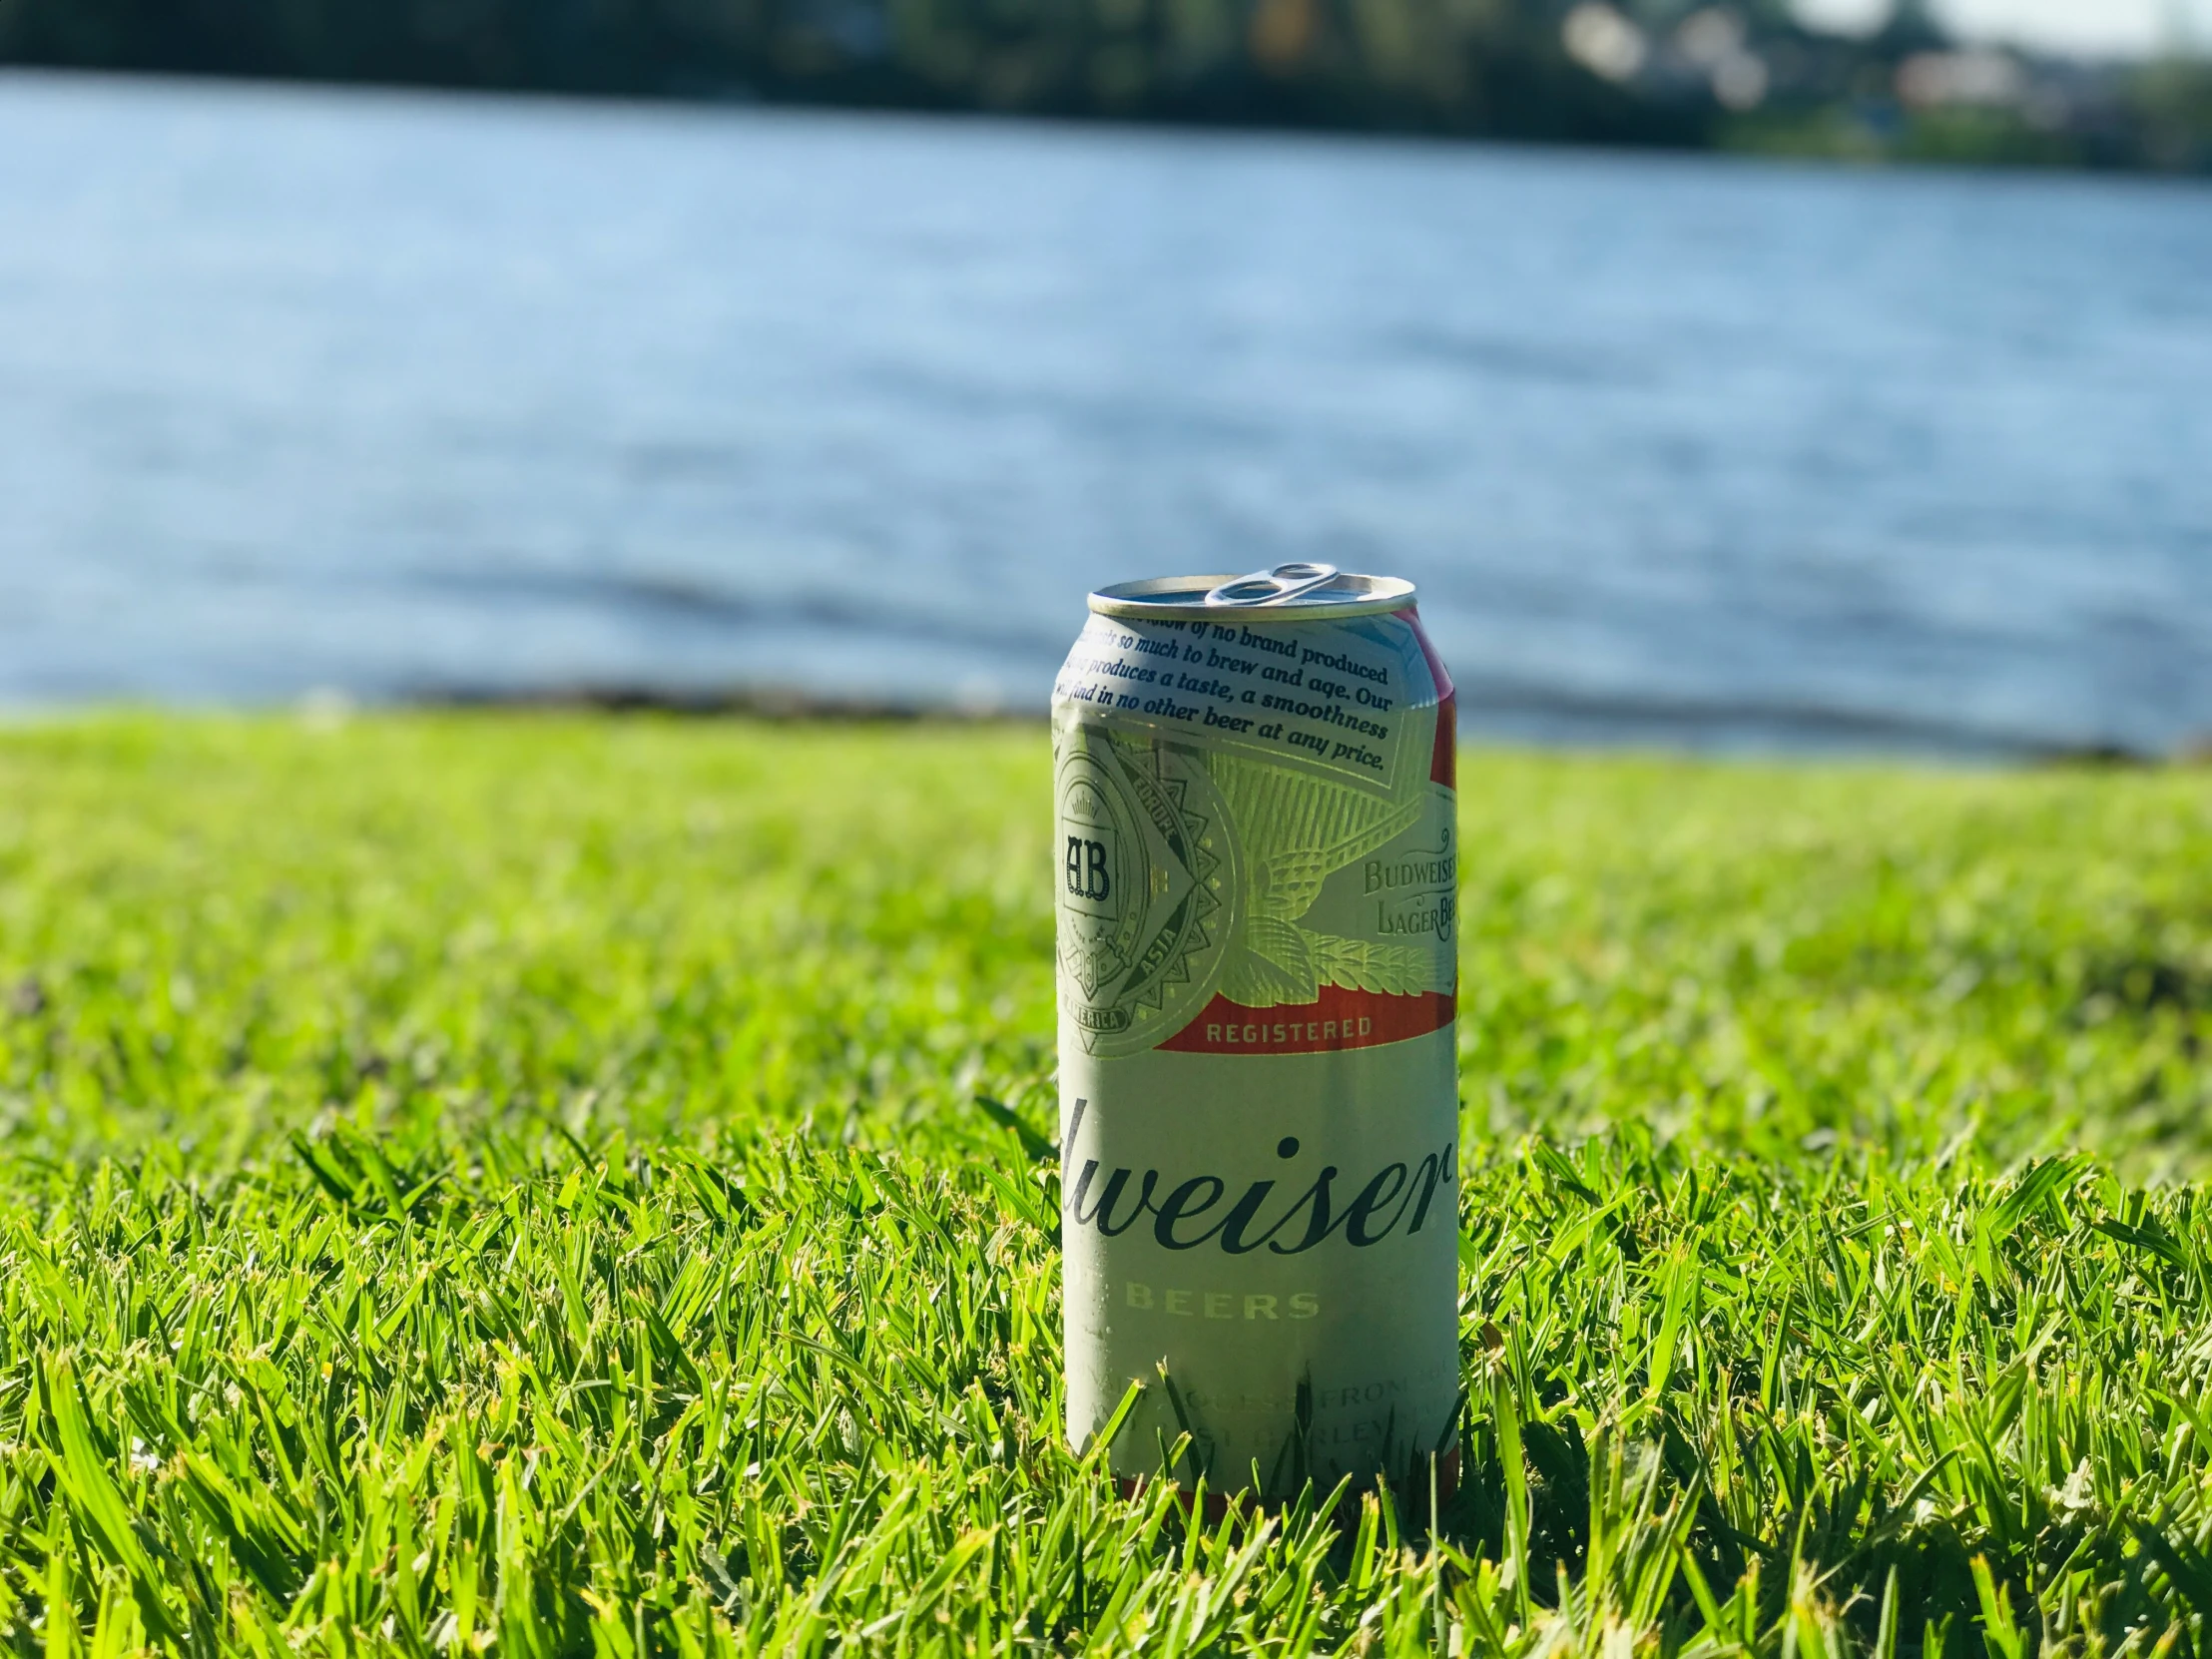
column 407, row 395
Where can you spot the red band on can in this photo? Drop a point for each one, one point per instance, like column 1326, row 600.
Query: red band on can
column 1339, row 1018
column 1444, row 758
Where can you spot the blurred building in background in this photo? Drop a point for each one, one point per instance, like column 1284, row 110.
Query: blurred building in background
column 1745, row 74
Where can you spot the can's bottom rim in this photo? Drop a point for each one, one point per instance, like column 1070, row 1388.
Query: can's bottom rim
column 1416, row 1497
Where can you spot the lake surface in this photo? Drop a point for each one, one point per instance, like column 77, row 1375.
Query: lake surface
column 411, row 395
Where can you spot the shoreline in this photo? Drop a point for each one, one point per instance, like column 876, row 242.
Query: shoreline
column 1520, row 718
column 1487, row 714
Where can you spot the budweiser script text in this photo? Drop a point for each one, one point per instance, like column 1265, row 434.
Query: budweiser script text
column 1397, row 1191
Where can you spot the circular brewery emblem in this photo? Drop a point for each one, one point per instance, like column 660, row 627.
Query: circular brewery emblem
column 1144, row 890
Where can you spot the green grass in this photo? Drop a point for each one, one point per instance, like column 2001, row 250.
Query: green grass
column 517, row 1185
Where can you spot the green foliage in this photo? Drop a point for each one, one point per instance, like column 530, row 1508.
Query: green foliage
column 1481, row 68
column 2173, row 97
column 1431, row 66
column 558, row 1187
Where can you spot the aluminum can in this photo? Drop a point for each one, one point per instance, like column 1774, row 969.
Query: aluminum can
column 1257, row 875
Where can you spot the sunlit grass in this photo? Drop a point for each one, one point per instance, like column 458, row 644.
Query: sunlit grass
column 518, row 1185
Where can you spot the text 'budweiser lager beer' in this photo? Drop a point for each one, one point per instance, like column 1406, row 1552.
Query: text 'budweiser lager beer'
column 1258, row 1103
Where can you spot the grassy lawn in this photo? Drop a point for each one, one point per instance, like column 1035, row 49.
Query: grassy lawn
column 517, row 1185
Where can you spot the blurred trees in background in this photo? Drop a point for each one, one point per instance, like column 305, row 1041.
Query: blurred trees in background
column 1473, row 66
column 1682, row 73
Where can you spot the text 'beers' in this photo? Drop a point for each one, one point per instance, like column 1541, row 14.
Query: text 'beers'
column 1221, row 1305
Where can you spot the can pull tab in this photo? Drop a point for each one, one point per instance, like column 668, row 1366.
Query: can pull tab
column 1272, row 587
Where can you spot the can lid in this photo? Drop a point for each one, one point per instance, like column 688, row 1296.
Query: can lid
column 1287, row 593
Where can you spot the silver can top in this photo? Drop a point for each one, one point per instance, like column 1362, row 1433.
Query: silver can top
column 1287, row 593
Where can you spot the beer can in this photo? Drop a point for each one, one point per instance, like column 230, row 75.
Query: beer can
column 1258, row 984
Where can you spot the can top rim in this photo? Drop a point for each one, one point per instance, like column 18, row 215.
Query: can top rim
column 1287, row 593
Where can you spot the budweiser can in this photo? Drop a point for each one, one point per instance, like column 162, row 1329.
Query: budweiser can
column 1258, row 984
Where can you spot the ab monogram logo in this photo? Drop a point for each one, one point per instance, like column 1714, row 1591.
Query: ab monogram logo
column 1145, row 891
